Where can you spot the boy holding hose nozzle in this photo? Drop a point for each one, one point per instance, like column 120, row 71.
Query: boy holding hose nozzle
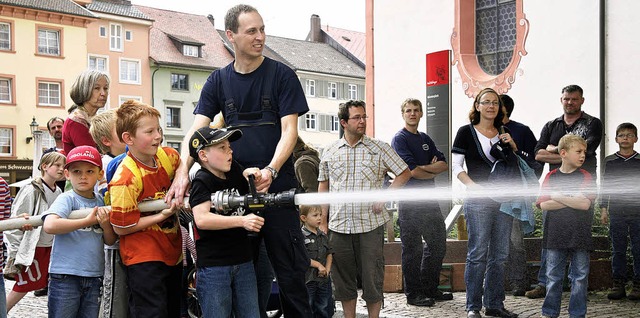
column 226, row 276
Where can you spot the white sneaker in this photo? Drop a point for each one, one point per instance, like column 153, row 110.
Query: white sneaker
column 474, row 314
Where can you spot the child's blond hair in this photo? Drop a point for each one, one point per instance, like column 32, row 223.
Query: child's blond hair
column 570, row 140
column 102, row 126
column 306, row 209
column 129, row 114
column 51, row 158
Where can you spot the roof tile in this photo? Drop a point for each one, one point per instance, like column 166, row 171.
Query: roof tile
column 180, row 25
column 59, row 6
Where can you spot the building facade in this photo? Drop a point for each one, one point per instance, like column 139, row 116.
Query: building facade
column 42, row 49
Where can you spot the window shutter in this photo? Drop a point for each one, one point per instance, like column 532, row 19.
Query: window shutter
column 301, row 122
column 322, row 88
column 322, row 122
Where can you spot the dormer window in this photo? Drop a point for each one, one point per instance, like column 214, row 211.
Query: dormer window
column 186, row 45
column 190, row 50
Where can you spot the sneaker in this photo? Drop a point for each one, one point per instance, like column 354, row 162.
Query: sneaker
column 421, row 301
column 41, row 292
column 618, row 291
column 502, row 312
column 474, row 314
column 518, row 291
column 635, row 292
column 538, row 292
column 441, row 296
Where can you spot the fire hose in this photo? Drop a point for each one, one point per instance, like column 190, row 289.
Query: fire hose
column 222, row 201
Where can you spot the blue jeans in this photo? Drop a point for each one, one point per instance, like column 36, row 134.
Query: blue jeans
column 320, row 298
column 621, row 227
column 3, row 300
column 578, row 276
column 74, row 296
column 487, row 251
column 226, row 289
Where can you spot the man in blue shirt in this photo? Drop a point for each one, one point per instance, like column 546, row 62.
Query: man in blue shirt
column 421, row 262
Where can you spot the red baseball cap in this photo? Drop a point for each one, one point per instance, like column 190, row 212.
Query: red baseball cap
column 84, row 153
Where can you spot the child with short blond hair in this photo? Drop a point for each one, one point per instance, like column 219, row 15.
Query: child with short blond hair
column 566, row 195
column 77, row 255
column 150, row 242
column 321, row 255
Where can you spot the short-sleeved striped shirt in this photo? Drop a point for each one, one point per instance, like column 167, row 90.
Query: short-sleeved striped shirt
column 358, row 168
column 5, row 213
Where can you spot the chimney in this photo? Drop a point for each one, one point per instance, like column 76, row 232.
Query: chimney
column 316, row 32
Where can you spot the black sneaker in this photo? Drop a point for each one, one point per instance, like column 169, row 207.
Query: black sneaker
column 422, row 302
column 502, row 312
column 41, row 292
column 440, row 296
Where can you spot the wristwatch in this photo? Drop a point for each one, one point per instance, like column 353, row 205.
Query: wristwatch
column 274, row 172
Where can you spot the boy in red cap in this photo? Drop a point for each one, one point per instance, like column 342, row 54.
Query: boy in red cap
column 77, row 259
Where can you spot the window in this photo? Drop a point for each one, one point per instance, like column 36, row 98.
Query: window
column 353, row 91
column 115, row 41
column 190, row 50
column 311, row 88
column 5, row 36
column 335, row 124
column 6, row 90
column 49, row 93
column 172, row 116
column 49, row 42
column 128, row 35
column 488, row 43
column 180, row 82
column 495, row 34
column 310, row 121
column 129, row 71
column 332, row 93
column 102, row 32
column 174, row 145
column 47, row 140
column 98, row 63
column 6, row 142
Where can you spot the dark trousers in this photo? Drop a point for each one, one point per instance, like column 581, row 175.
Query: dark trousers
column 622, row 230
column 285, row 246
column 154, row 290
column 421, row 262
column 516, row 265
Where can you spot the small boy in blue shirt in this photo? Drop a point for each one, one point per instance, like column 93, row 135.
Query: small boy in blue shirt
column 566, row 195
column 77, row 257
column 620, row 200
column 317, row 278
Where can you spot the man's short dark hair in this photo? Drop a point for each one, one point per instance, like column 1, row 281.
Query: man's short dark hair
column 507, row 101
column 572, row 88
column 343, row 110
column 52, row 120
column 231, row 18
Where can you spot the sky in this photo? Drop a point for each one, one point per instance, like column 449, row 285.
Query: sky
column 284, row 18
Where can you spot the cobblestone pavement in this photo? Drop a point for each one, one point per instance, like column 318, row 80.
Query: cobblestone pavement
column 395, row 306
